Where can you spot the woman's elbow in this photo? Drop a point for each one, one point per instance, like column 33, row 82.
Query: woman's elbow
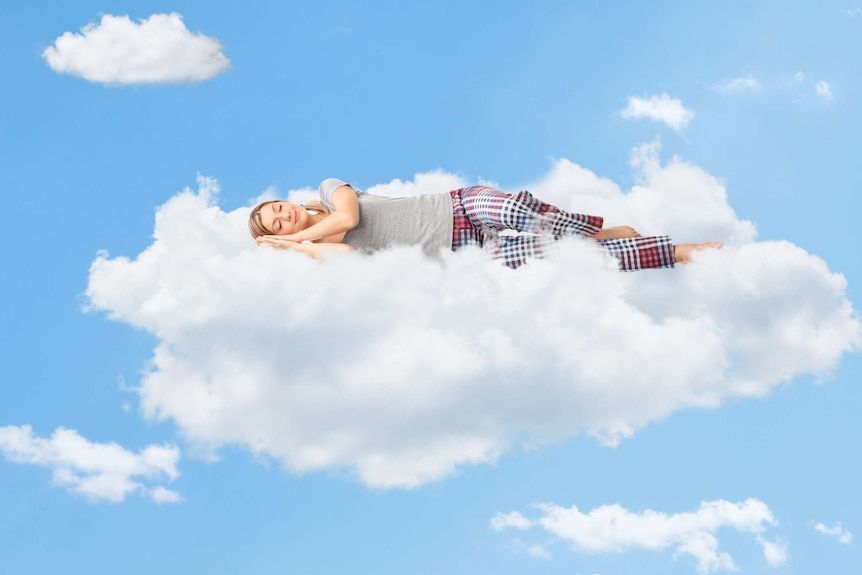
column 351, row 220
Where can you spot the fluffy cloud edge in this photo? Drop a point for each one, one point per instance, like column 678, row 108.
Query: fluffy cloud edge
column 96, row 471
column 156, row 50
column 660, row 108
column 407, row 418
column 615, row 529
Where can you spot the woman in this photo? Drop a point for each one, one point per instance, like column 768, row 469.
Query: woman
column 347, row 219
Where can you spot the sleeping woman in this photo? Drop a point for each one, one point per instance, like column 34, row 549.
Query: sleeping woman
column 348, row 219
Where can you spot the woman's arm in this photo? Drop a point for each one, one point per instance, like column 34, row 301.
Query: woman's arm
column 315, row 250
column 344, row 218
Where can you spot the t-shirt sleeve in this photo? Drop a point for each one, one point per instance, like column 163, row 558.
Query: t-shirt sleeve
column 327, row 188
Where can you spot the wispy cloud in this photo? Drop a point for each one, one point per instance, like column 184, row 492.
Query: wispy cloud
column 837, row 531
column 539, row 551
column 661, row 108
column 774, row 552
column 614, row 529
column 514, row 519
column 158, row 49
column 823, row 90
column 735, row 85
column 98, row 471
column 799, row 77
column 851, row 12
column 388, row 366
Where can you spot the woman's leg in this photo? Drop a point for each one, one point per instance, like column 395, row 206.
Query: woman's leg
column 493, row 209
column 482, row 211
column 514, row 251
column 632, row 253
column 642, row 252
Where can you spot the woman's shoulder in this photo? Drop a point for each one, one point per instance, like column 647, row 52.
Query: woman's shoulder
column 329, row 185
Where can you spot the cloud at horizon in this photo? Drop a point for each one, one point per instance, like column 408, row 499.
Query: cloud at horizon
column 156, row 50
column 403, row 369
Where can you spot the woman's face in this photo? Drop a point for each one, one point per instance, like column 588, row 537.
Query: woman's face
column 282, row 218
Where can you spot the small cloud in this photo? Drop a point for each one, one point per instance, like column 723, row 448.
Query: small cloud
column 736, row 85
column 837, row 531
column 163, row 495
column 614, row 529
column 661, row 108
column 156, row 50
column 851, row 12
column 513, row 519
column 98, row 471
column 538, row 551
column 823, row 90
column 799, row 77
column 774, row 552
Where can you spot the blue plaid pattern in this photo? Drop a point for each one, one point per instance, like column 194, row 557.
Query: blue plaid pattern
column 480, row 213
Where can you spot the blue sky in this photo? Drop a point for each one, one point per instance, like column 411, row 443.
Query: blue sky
column 430, row 93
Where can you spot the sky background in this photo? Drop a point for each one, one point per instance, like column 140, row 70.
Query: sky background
column 763, row 97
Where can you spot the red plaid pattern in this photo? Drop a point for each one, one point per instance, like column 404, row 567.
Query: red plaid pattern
column 463, row 232
column 641, row 253
column 479, row 213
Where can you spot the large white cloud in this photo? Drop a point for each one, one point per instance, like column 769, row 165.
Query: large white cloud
column 98, row 471
column 661, row 108
column 615, row 529
column 158, row 49
column 401, row 368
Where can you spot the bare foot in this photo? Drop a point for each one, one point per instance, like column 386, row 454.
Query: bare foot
column 683, row 252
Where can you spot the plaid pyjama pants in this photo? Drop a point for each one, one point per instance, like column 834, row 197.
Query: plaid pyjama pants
column 481, row 213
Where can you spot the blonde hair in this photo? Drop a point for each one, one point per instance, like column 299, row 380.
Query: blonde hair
column 256, row 227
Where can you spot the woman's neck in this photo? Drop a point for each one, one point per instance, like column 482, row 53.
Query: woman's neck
column 316, row 218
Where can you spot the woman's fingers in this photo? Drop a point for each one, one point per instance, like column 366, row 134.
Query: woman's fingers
column 276, row 242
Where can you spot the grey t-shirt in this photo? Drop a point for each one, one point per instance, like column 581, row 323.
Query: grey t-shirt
column 424, row 220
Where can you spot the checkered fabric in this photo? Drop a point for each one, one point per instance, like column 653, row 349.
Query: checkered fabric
column 641, row 253
column 480, row 213
column 487, row 211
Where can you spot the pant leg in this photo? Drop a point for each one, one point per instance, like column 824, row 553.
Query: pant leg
column 632, row 253
column 514, row 251
column 642, row 252
column 486, row 211
column 492, row 209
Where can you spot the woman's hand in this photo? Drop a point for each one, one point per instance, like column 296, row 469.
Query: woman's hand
column 280, row 242
column 313, row 249
column 616, row 233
